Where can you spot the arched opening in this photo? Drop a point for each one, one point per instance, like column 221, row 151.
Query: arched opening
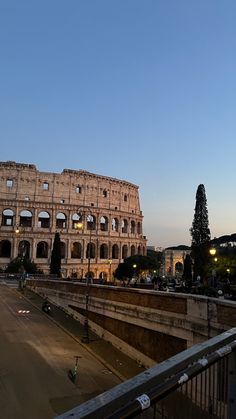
column 103, row 275
column 132, row 228
column 91, row 222
column 76, row 250
column 90, row 251
column 104, row 223
column 76, row 218
column 115, row 251
column 7, row 217
column 132, row 250
column 124, row 226
column 43, row 220
column 25, row 218
column 103, row 251
column 124, row 251
column 115, row 224
column 24, row 249
column 139, row 230
column 139, row 250
column 61, row 220
column 89, row 275
column 179, row 268
column 5, row 249
column 42, row 250
column 63, row 250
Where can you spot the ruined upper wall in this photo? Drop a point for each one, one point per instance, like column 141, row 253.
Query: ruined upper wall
column 73, row 187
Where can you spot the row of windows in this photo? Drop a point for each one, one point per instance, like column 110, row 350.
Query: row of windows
column 77, row 221
column 78, row 188
column 76, row 250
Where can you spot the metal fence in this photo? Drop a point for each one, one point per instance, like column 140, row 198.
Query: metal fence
column 197, row 383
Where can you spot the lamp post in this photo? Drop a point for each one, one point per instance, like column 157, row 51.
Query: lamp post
column 22, row 255
column 85, row 338
column 134, row 268
column 213, row 272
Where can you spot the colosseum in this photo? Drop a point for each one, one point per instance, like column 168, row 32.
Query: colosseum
column 98, row 218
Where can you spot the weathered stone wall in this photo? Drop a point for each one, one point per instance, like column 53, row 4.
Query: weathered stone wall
column 150, row 326
column 110, row 201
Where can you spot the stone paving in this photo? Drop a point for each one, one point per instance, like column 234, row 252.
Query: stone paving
column 112, row 358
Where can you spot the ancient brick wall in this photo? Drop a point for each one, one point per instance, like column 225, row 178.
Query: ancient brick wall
column 43, row 203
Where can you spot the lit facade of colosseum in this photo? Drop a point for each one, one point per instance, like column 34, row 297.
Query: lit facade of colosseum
column 88, row 210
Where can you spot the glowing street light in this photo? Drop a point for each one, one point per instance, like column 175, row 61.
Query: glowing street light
column 212, row 251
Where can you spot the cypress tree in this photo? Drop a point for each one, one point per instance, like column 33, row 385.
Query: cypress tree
column 55, row 265
column 200, row 233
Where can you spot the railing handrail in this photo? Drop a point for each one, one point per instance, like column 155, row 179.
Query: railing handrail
column 106, row 403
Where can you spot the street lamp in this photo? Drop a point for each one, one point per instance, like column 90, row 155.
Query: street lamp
column 213, row 272
column 134, row 268
column 22, row 255
column 212, row 251
column 85, row 337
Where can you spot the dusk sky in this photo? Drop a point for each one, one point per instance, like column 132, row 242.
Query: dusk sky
column 141, row 90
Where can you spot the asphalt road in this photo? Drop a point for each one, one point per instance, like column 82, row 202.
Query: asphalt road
column 35, row 357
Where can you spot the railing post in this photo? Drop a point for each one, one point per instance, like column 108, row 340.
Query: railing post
column 232, row 386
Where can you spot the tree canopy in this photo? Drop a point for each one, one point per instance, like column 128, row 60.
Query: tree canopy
column 55, row 264
column 200, row 233
column 150, row 262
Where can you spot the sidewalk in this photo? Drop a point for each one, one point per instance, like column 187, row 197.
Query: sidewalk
column 113, row 359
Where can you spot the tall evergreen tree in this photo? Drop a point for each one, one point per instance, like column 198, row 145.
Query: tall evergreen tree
column 55, row 265
column 200, row 233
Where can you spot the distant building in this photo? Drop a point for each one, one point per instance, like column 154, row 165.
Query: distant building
column 174, row 260
column 155, row 248
column 98, row 218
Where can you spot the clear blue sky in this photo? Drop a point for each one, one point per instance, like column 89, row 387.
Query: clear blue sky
column 142, row 90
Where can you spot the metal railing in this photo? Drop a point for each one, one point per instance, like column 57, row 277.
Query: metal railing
column 199, row 382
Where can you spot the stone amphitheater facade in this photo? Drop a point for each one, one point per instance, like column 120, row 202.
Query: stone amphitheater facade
column 98, row 218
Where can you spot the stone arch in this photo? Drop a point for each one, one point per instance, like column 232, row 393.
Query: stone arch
column 139, row 230
column 44, row 219
column 104, row 223
column 76, row 250
column 7, row 217
column 115, row 224
column 115, row 251
column 103, row 251
column 5, row 249
column 26, row 218
column 91, row 222
column 132, row 250
column 76, row 218
column 90, row 251
column 103, row 275
column 179, row 268
column 61, row 220
column 124, row 226
column 63, row 250
column 139, row 250
column 124, row 251
column 42, row 250
column 132, row 227
column 24, row 249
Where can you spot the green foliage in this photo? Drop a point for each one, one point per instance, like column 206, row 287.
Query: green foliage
column 187, row 273
column 19, row 265
column 55, row 264
column 143, row 263
column 200, row 233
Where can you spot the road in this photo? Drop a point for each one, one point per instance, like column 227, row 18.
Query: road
column 35, row 357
